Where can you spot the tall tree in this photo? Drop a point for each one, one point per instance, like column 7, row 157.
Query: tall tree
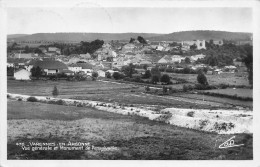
column 128, row 70
column 36, row 72
column 248, row 60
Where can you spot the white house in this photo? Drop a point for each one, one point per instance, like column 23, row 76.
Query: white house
column 75, row 68
column 101, row 73
column 86, row 68
column 22, row 74
column 171, row 59
column 196, row 57
column 160, row 48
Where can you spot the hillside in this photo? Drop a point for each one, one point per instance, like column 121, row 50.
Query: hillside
column 16, row 35
column 176, row 36
column 82, row 36
column 207, row 35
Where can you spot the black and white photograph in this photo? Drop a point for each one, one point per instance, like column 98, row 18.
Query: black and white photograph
column 117, row 82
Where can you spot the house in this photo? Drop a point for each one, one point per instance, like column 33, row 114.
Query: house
column 16, row 63
column 196, row 57
column 29, row 65
column 201, row 44
column 85, row 56
column 171, row 59
column 54, row 49
column 230, row 69
column 160, row 48
column 24, row 56
column 50, row 67
column 87, row 68
column 217, row 71
column 75, row 68
column 101, row 73
column 154, row 45
column 67, row 72
column 140, row 71
column 22, row 74
column 218, row 42
column 145, row 62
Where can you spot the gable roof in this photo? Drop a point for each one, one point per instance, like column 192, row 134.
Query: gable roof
column 24, row 55
column 50, row 64
column 13, row 60
column 85, row 65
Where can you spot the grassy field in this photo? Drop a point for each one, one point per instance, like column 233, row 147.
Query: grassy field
column 232, row 92
column 225, row 78
column 223, row 100
column 135, row 137
column 106, row 92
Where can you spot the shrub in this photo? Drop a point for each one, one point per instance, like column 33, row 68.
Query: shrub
column 155, row 79
column 164, row 89
column 147, row 74
column 8, row 96
column 137, row 79
column 185, row 88
column 165, row 79
column 223, row 86
column 201, row 78
column 55, row 91
column 32, row 99
column 108, row 75
column 60, row 102
column 94, row 74
column 190, row 114
column 147, row 89
column 19, row 99
column 117, row 75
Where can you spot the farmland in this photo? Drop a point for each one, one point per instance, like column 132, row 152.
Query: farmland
column 100, row 91
column 134, row 137
column 232, row 92
column 224, row 78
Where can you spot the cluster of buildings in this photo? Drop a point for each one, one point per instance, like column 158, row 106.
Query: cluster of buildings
column 113, row 55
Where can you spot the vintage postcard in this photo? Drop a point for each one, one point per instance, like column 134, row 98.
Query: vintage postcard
column 96, row 80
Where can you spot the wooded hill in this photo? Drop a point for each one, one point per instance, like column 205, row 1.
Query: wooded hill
column 176, row 36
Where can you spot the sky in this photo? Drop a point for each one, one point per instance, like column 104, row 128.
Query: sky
column 121, row 20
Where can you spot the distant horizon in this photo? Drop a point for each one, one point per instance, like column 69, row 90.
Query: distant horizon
column 122, row 32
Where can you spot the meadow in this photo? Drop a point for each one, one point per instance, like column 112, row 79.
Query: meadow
column 134, row 137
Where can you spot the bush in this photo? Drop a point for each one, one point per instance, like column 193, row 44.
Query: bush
column 185, row 88
column 155, row 79
column 147, row 74
column 8, row 96
column 165, row 79
column 137, row 79
column 94, row 74
column 164, row 89
column 32, row 99
column 201, row 78
column 117, row 75
column 55, row 91
column 190, row 114
column 58, row 102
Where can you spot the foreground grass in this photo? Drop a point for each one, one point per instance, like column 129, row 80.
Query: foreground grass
column 136, row 137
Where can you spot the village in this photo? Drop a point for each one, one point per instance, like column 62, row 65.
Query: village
column 181, row 57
